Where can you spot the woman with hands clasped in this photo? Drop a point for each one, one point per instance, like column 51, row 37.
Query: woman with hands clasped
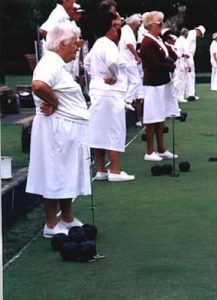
column 59, row 156
column 158, row 62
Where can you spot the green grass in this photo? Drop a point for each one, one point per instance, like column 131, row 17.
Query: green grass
column 11, row 146
column 13, row 81
column 158, row 233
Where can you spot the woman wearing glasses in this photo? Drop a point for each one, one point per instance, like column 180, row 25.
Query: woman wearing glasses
column 158, row 63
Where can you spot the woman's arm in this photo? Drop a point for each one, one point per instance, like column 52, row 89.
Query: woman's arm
column 45, row 92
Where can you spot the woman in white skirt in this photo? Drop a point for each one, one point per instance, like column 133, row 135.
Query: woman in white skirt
column 213, row 61
column 160, row 103
column 59, row 157
column 107, row 90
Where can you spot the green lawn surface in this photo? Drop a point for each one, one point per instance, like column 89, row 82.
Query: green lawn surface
column 158, row 233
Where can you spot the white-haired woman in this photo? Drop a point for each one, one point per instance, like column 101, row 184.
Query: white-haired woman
column 59, row 156
column 130, row 57
column 213, row 61
column 159, row 100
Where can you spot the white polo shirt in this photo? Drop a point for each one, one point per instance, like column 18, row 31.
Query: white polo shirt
column 103, row 54
column 58, row 15
column 127, row 37
column 213, row 49
column 51, row 70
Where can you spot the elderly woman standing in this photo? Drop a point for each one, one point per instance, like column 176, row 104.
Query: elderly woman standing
column 107, row 87
column 158, row 91
column 213, row 61
column 59, row 157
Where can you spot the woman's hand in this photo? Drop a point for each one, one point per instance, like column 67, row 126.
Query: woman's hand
column 47, row 109
column 110, row 80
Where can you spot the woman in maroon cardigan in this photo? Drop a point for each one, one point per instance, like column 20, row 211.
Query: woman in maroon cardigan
column 158, row 63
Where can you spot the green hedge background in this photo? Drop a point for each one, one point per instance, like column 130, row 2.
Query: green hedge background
column 20, row 19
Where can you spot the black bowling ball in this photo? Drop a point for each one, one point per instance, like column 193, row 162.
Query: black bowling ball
column 166, row 129
column 183, row 116
column 70, row 251
column 156, row 170
column 77, row 234
column 87, row 251
column 144, row 137
column 167, row 169
column 90, row 231
column 184, row 166
column 58, row 240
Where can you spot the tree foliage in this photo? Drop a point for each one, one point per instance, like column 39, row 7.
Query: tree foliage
column 21, row 18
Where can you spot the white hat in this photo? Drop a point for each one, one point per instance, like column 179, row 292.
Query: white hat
column 164, row 30
column 202, row 29
column 214, row 36
column 173, row 36
column 78, row 7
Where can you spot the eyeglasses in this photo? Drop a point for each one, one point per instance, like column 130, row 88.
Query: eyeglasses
column 160, row 24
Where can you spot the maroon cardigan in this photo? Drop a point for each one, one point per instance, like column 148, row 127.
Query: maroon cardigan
column 156, row 66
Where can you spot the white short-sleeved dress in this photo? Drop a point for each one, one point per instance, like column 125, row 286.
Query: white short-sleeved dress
column 107, row 112
column 59, row 165
column 213, row 49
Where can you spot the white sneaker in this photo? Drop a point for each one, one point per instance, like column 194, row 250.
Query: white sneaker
column 129, row 106
column 75, row 222
column 123, row 176
column 182, row 100
column 138, row 123
column 152, row 157
column 167, row 154
column 50, row 232
column 101, row 176
column 197, row 97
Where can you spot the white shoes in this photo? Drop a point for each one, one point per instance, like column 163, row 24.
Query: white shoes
column 101, row 176
column 75, row 222
column 123, row 176
column 167, row 154
column 50, row 232
column 138, row 123
column 182, row 100
column 129, row 106
column 152, row 157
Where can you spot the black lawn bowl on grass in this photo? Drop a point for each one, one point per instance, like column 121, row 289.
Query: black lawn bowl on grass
column 167, row 169
column 156, row 170
column 182, row 117
column 184, row 166
column 58, row 240
column 90, row 231
column 166, row 129
column 70, row 251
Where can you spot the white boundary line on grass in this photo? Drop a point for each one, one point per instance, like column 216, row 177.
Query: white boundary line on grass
column 20, row 252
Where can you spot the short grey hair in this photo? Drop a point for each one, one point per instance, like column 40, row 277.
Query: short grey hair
column 134, row 19
column 62, row 32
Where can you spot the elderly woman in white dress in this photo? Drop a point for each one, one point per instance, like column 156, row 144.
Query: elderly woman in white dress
column 107, row 90
column 160, row 102
column 59, row 156
column 213, row 61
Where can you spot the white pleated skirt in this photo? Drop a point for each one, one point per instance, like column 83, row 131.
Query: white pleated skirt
column 59, row 158
column 107, row 121
column 214, row 79
column 160, row 103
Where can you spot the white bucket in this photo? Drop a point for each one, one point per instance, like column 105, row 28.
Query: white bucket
column 6, row 167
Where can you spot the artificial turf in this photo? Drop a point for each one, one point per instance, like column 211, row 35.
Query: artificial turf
column 158, row 233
